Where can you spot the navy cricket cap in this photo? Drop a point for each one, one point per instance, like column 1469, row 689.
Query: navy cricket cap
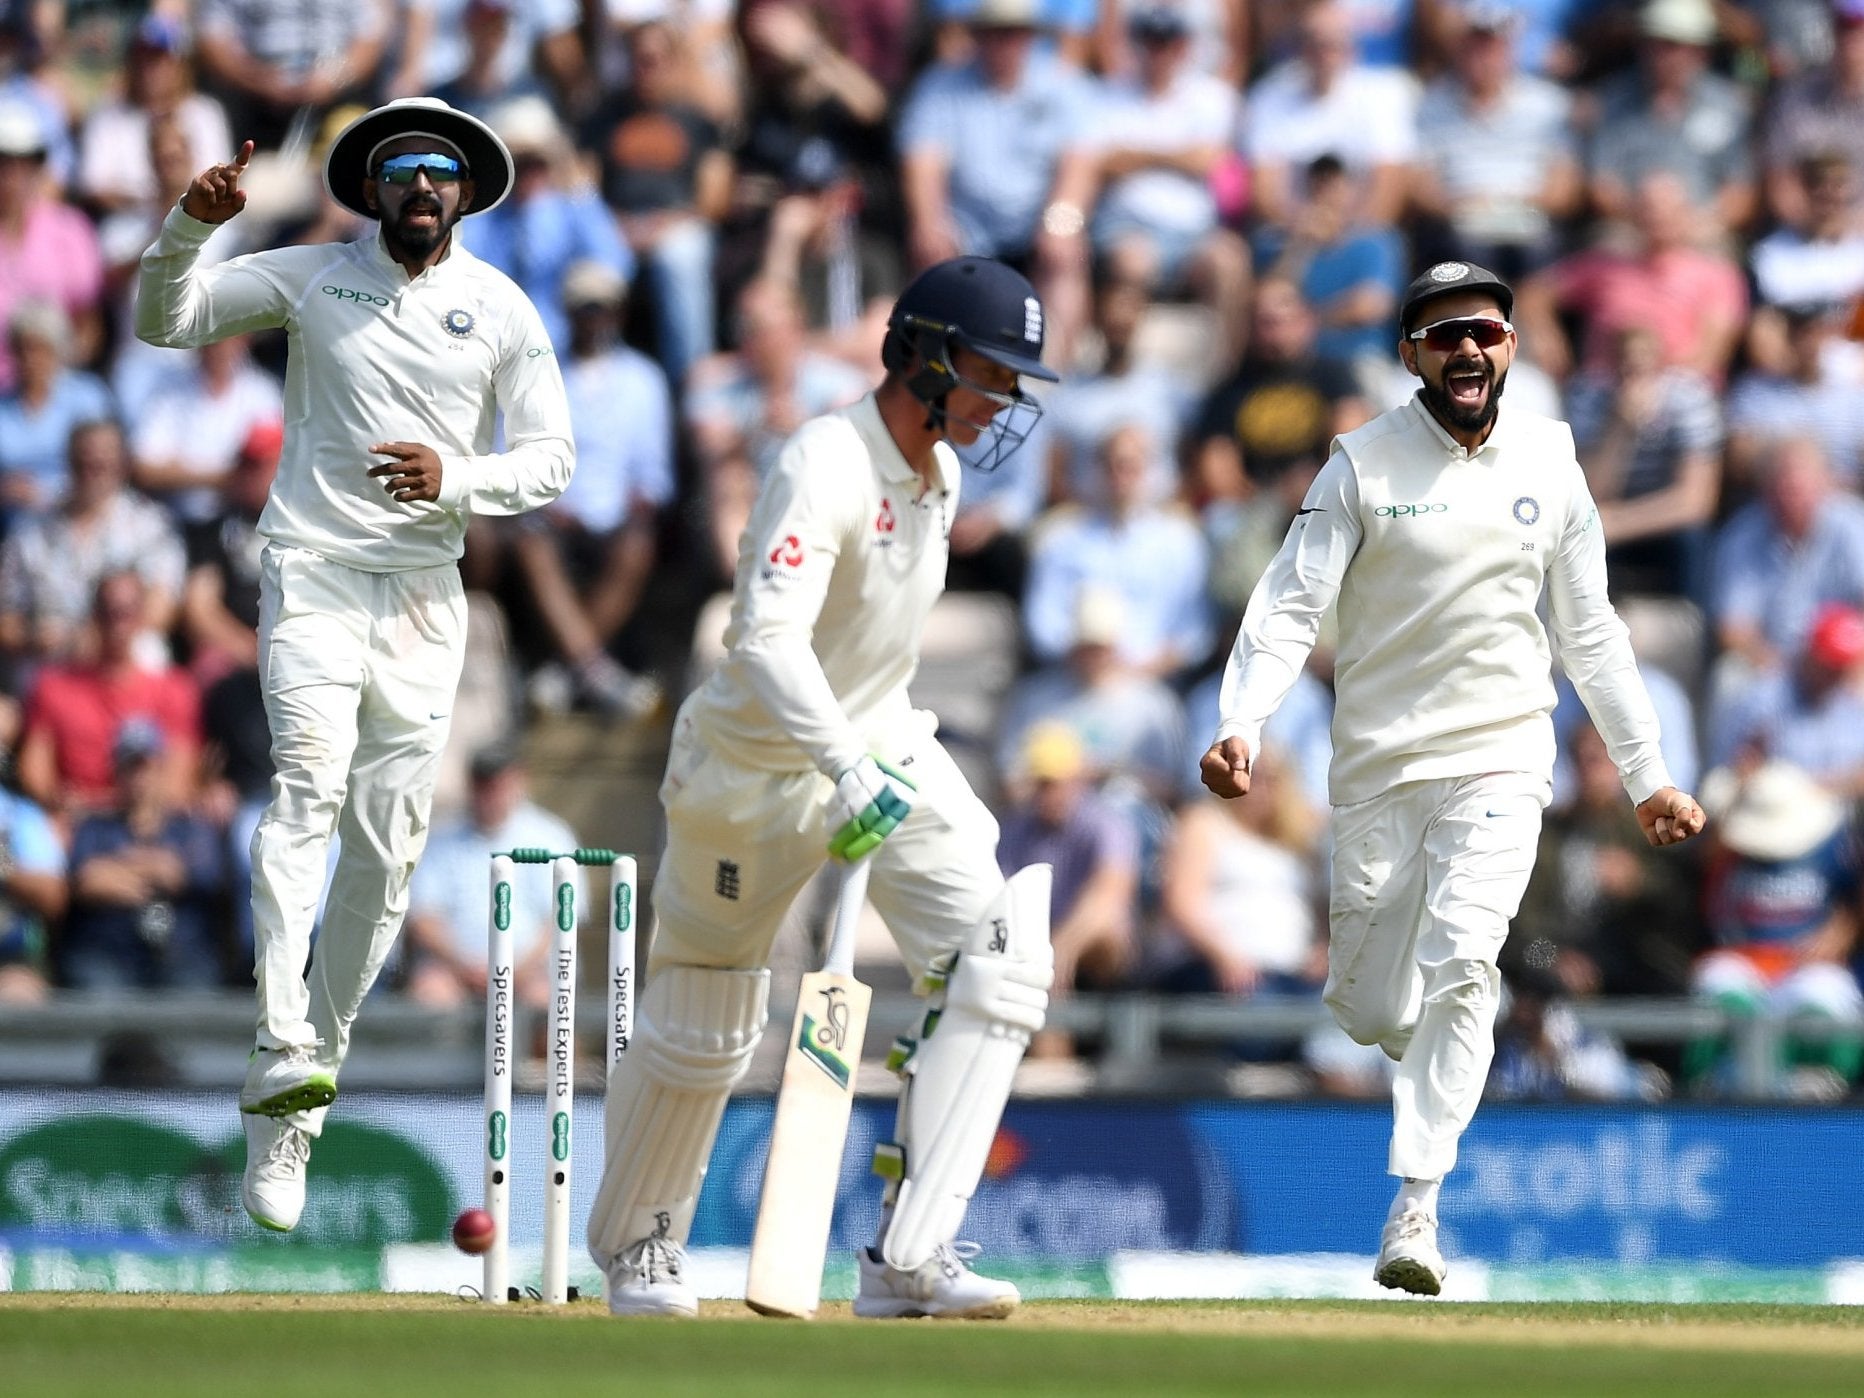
column 982, row 305
column 1441, row 278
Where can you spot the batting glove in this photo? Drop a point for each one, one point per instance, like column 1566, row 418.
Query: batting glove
column 871, row 799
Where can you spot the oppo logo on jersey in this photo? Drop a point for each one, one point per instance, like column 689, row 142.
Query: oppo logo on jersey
column 1410, row 511
column 344, row 293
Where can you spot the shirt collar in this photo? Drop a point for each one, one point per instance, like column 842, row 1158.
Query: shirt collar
column 1497, row 438
column 378, row 254
column 865, row 415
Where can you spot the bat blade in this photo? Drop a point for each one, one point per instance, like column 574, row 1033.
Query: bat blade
column 794, row 1213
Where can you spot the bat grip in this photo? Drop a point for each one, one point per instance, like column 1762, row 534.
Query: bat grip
column 850, row 898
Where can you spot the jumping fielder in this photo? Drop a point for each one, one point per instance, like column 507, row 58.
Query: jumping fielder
column 802, row 745
column 1436, row 526
column 403, row 346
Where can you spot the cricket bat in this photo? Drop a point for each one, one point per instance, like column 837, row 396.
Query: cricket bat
column 790, row 1243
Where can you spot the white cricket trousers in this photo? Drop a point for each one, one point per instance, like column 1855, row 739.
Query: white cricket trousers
column 741, row 843
column 358, row 672
column 1426, row 879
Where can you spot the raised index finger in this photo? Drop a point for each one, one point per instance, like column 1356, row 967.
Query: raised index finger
column 245, row 154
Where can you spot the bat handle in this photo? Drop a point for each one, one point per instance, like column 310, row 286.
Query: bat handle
column 850, row 898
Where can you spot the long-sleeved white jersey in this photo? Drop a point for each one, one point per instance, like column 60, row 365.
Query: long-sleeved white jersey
column 838, row 569
column 1438, row 557
column 378, row 357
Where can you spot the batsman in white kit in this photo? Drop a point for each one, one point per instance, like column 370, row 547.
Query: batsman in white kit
column 1436, row 527
column 402, row 346
column 802, row 746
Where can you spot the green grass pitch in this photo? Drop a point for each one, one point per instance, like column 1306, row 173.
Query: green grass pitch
column 73, row 1345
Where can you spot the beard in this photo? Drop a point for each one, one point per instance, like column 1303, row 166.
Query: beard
column 419, row 239
column 1460, row 416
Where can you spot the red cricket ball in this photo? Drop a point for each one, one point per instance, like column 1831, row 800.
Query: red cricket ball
column 474, row 1231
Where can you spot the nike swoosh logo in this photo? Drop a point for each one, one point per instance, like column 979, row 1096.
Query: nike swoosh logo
column 1311, row 509
column 437, row 716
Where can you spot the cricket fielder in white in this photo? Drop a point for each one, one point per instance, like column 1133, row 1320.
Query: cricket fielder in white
column 1436, row 526
column 802, row 746
column 402, row 346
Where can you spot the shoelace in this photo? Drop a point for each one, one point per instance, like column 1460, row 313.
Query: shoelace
column 297, row 1055
column 292, row 1146
column 655, row 1259
column 1411, row 1225
column 952, row 1257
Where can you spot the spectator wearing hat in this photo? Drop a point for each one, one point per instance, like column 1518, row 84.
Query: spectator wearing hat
column 220, row 601
column 741, row 406
column 1497, row 163
column 1058, row 818
column 1131, row 725
column 444, row 961
column 48, row 248
column 1151, row 556
column 48, row 400
column 1325, row 101
column 1672, row 115
column 53, row 564
column 1784, row 556
column 148, row 883
column 1161, row 139
column 552, row 219
column 666, row 175
column 1810, row 714
column 114, row 168
column 1822, row 110
column 196, row 423
column 1812, row 390
column 1782, row 896
column 1694, row 299
column 586, row 558
column 996, row 159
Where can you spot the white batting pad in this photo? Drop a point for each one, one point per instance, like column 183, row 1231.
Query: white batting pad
column 695, row 1034
column 981, row 1014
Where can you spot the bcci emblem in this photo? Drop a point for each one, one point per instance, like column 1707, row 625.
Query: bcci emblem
column 1449, row 271
column 458, row 323
column 1527, row 509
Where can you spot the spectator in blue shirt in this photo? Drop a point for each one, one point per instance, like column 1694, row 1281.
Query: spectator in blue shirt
column 550, row 220
column 1349, row 274
column 1781, row 558
column 1153, row 557
column 148, row 885
column 995, row 160
column 32, row 895
column 1811, row 715
column 48, row 400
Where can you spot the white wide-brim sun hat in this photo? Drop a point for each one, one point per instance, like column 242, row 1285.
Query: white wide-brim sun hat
column 488, row 162
column 1777, row 813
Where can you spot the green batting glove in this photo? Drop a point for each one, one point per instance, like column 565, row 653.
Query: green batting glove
column 871, row 799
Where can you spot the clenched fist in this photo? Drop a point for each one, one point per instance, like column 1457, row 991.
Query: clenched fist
column 214, row 195
column 1225, row 768
column 1669, row 817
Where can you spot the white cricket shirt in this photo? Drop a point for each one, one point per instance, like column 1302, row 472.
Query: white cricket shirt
column 377, row 357
column 1438, row 557
column 837, row 571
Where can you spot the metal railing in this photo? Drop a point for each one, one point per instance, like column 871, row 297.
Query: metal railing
column 201, row 1039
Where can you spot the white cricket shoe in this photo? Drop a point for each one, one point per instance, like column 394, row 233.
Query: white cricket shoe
column 1408, row 1255
column 650, row 1279
column 278, row 1156
column 941, row 1287
column 282, row 1081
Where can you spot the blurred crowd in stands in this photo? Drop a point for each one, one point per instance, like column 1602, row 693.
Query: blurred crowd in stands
column 1219, row 201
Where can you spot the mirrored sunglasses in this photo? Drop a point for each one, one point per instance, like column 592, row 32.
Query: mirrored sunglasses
column 401, row 169
column 1443, row 336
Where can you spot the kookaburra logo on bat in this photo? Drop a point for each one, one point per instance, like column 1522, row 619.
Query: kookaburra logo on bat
column 834, row 1030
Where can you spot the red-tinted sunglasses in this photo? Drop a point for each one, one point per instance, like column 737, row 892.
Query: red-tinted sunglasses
column 1444, row 336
